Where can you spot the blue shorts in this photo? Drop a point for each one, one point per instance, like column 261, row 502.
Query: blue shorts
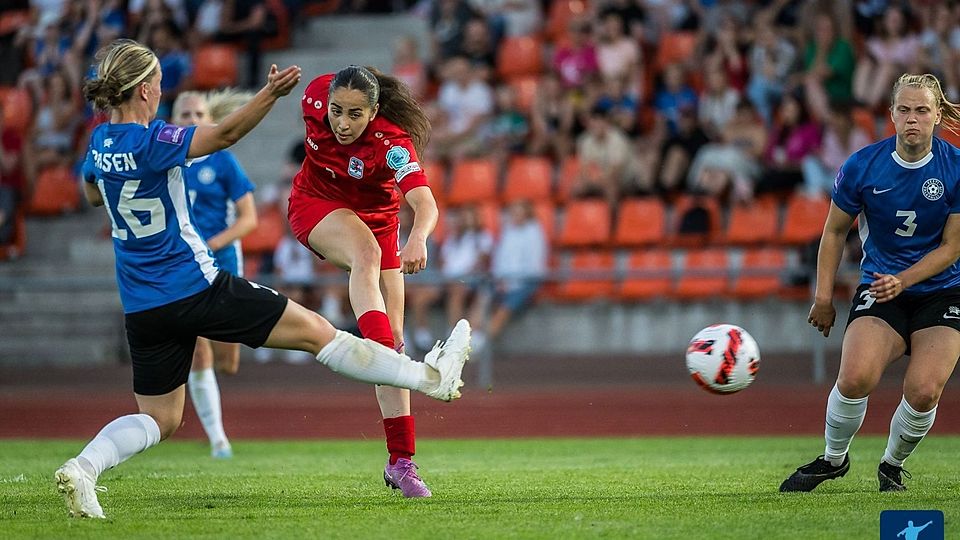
column 519, row 296
column 230, row 259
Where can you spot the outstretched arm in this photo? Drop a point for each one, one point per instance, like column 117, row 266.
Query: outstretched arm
column 209, row 139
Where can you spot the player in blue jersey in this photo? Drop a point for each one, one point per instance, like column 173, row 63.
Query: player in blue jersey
column 171, row 289
column 906, row 192
column 221, row 197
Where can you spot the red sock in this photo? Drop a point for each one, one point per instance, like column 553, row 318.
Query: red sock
column 401, row 440
column 376, row 326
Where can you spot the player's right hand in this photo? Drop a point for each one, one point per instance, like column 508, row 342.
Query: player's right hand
column 822, row 316
column 280, row 83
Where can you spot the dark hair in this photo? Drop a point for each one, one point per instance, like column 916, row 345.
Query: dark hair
column 397, row 103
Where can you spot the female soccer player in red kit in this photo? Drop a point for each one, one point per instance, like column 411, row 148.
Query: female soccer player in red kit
column 364, row 132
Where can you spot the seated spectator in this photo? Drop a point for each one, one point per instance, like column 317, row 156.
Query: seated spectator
column 678, row 151
column 771, row 59
column 552, row 120
column 409, row 67
column 55, row 122
column 505, row 134
column 575, row 59
column 448, row 20
column 828, row 68
column 723, row 50
column 718, row 102
column 509, row 18
column 729, row 168
column 464, row 104
column 673, row 95
column 423, row 289
column 794, row 136
column 465, row 260
column 606, row 154
column 11, row 179
column 248, row 22
column 620, row 104
column 841, row 138
column 893, row 51
column 518, row 269
column 175, row 64
column 940, row 47
column 479, row 48
column 618, row 55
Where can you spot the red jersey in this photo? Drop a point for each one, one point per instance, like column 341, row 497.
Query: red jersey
column 363, row 174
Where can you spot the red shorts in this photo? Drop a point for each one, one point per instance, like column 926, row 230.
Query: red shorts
column 305, row 212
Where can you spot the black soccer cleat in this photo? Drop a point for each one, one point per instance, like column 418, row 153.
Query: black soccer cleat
column 890, row 477
column 812, row 474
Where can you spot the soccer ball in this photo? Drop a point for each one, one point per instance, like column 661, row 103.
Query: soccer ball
column 723, row 358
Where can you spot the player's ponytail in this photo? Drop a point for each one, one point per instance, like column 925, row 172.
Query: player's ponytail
column 121, row 66
column 949, row 112
column 397, row 103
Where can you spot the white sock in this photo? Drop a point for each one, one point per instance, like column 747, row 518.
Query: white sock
column 118, row 441
column 205, row 394
column 907, row 428
column 844, row 417
column 368, row 361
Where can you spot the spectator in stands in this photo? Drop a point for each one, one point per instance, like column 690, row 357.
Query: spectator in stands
column 479, row 48
column 295, row 276
column 723, row 49
column 621, row 105
column 730, row 167
column 771, row 59
column 575, row 58
column 828, row 63
column 55, row 122
column 448, row 21
column 677, row 153
column 940, row 46
column 617, row 54
column 510, row 17
column 841, row 138
column 631, row 12
column 144, row 14
column 11, row 178
column 506, row 132
column 464, row 103
column 673, row 95
column 518, row 268
column 464, row 260
column 423, row 289
column 409, row 67
column 894, row 50
column 606, row 154
column 552, row 119
column 247, row 22
column 794, row 136
column 175, row 64
column 718, row 102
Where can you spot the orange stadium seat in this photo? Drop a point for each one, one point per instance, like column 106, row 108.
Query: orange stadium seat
column 560, row 14
column 528, row 177
column 586, row 223
column 649, row 275
column 569, row 171
column 519, row 55
column 17, row 110
column 473, row 181
column 949, row 136
column 675, row 47
column 437, row 176
column 55, row 192
column 754, row 223
column 681, row 207
column 525, row 89
column 704, row 275
column 316, row 8
column 215, row 66
column 591, row 277
column 803, row 219
column 865, row 120
column 760, row 273
column 271, row 226
column 640, row 222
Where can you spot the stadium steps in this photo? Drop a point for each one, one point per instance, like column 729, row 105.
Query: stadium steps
column 322, row 45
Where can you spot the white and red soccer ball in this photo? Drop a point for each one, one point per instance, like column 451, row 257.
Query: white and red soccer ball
column 723, row 358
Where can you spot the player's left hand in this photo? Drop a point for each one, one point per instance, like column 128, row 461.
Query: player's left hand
column 413, row 257
column 885, row 287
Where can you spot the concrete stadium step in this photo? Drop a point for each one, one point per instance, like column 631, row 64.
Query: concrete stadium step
column 65, row 350
column 63, row 325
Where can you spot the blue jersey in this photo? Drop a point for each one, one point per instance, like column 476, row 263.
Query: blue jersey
column 215, row 183
column 902, row 207
column 160, row 256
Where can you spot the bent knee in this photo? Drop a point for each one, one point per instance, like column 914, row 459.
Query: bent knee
column 923, row 398
column 367, row 255
column 167, row 422
column 855, row 386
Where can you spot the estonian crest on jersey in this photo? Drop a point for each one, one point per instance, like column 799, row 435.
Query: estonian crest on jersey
column 932, row 189
column 355, row 168
column 206, row 175
column 397, row 157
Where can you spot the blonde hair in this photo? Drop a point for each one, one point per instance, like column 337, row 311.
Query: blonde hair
column 121, row 66
column 220, row 103
column 949, row 112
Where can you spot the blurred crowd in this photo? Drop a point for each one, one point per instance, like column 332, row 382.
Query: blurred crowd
column 731, row 101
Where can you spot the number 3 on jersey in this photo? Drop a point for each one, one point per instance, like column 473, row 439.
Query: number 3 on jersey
column 156, row 221
column 910, row 225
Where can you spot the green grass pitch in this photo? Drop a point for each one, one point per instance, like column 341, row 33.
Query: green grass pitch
column 685, row 488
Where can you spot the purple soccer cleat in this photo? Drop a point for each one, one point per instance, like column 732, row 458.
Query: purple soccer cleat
column 402, row 475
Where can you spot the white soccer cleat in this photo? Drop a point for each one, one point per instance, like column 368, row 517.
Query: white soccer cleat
column 448, row 359
column 79, row 490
